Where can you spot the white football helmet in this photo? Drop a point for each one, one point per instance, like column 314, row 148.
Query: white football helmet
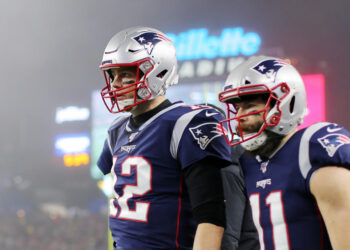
column 154, row 56
column 285, row 107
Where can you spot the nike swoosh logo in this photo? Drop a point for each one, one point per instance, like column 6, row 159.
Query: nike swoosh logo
column 331, row 130
column 207, row 114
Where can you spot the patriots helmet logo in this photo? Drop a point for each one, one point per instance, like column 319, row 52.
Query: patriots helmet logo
column 205, row 133
column 149, row 39
column 269, row 68
column 332, row 142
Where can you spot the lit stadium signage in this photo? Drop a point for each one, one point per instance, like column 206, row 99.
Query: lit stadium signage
column 72, row 144
column 198, row 44
column 72, row 113
column 316, row 100
column 76, row 160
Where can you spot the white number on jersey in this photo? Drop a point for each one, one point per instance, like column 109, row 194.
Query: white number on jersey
column 279, row 226
column 143, row 173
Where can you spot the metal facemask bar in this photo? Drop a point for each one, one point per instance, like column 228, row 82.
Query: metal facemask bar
column 232, row 123
column 111, row 97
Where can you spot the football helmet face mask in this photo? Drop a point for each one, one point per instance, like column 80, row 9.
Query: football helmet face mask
column 282, row 86
column 154, row 57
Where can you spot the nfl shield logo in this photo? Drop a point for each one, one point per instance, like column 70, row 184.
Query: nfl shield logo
column 263, row 166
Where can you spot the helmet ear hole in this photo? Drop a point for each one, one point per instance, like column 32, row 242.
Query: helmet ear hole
column 141, row 74
column 291, row 105
column 273, row 100
column 162, row 74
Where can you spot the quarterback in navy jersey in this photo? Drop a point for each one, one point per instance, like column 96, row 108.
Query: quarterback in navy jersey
column 165, row 158
column 297, row 181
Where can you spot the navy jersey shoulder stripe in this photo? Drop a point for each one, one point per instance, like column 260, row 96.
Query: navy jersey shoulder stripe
column 304, row 156
column 179, row 129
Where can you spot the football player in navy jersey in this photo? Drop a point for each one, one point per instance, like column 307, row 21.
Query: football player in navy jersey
column 297, row 181
column 240, row 232
column 165, row 158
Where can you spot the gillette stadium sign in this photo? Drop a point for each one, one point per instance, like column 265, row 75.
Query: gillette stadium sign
column 202, row 55
column 197, row 44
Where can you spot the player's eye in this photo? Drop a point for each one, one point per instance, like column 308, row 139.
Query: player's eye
column 126, row 74
column 128, row 82
column 235, row 107
column 123, row 75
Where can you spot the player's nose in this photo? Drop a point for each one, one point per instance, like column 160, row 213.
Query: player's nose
column 241, row 116
column 117, row 83
column 240, row 112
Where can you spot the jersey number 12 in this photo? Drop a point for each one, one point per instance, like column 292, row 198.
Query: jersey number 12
column 143, row 173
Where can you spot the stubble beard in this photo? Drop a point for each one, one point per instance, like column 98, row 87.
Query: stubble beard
column 273, row 141
column 271, row 144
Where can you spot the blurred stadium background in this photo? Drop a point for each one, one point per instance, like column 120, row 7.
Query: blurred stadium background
column 53, row 121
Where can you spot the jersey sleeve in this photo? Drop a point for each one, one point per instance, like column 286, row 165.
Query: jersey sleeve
column 105, row 161
column 201, row 137
column 329, row 145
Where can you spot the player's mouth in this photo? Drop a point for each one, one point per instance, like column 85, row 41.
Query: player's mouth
column 246, row 130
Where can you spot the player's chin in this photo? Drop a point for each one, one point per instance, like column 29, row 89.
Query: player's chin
column 130, row 107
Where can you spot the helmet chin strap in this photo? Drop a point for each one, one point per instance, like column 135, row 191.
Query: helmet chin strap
column 255, row 142
column 127, row 102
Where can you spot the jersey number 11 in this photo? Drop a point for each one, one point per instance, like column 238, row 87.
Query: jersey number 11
column 277, row 218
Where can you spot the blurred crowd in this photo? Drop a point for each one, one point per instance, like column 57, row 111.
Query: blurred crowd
column 40, row 231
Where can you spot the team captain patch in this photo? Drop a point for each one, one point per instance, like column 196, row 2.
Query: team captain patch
column 332, row 142
column 205, row 133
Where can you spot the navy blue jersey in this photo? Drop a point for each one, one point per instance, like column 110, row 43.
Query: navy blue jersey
column 152, row 208
column 284, row 211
